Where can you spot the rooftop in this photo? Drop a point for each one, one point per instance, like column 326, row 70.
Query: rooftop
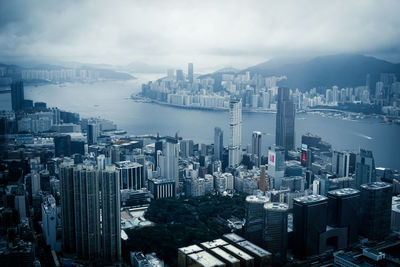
column 276, row 206
column 238, row 252
column 310, row 199
column 225, row 255
column 190, row 249
column 206, row 259
column 254, row 249
column 215, row 243
column 257, row 199
column 375, row 185
column 234, row 237
column 343, row 192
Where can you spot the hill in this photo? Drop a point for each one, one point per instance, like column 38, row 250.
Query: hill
column 325, row 71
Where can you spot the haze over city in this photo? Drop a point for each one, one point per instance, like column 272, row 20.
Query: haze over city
column 199, row 133
column 213, row 34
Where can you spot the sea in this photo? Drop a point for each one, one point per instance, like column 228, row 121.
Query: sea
column 111, row 100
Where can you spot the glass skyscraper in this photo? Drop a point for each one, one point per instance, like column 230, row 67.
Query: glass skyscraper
column 285, row 120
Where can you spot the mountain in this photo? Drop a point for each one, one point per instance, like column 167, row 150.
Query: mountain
column 227, row 70
column 325, row 71
column 141, row 67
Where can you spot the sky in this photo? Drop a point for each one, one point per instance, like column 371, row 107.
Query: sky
column 212, row 34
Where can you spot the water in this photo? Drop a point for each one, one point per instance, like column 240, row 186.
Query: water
column 110, row 100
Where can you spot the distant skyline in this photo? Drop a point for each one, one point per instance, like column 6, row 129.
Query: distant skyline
column 212, row 34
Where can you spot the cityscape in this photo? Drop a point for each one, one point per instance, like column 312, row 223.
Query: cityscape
column 182, row 162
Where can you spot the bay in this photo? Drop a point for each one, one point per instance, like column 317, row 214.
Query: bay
column 111, row 100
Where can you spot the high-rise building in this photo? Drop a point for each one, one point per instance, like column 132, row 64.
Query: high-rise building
column 276, row 165
column 130, row 175
column 49, row 222
column 110, row 214
column 92, row 133
column 256, row 147
column 86, row 196
column 254, row 214
column 375, row 212
column 170, row 170
column 275, row 230
column 17, row 95
column 67, row 207
column 190, row 72
column 285, row 118
column 343, row 163
column 235, row 132
column 179, row 75
column 170, row 74
column 365, row 168
column 343, row 211
column 309, row 221
column 218, row 143
column 62, row 145
column 87, row 212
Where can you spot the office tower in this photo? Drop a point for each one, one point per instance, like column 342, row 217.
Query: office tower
column 285, row 120
column 395, row 218
column 343, row 211
column 254, row 214
column 179, row 75
column 264, row 184
column 365, row 168
column 218, row 143
column 275, row 230
column 306, row 156
column 256, row 147
column 110, row 214
column 170, row 152
column 17, row 95
column 170, row 74
column 190, row 72
column 375, row 212
column 161, row 188
column 343, row 163
column 309, row 221
column 276, row 165
column 45, row 180
column 49, row 222
column 130, row 175
column 67, row 207
column 62, row 145
column 92, row 133
column 235, row 132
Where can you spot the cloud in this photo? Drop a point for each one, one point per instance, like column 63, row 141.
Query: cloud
column 209, row 33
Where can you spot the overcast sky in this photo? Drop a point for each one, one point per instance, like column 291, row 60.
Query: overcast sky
column 211, row 34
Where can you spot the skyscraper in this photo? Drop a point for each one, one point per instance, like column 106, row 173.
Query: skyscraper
column 254, row 213
column 343, row 211
column 343, row 163
column 235, row 132
column 309, row 221
column 170, row 167
column 365, row 168
column 256, row 147
column 190, row 72
column 111, row 216
column 375, row 212
column 285, row 120
column 86, row 196
column 218, row 143
column 276, row 165
column 92, row 133
column 275, row 229
column 87, row 212
column 67, row 207
column 17, row 95
column 62, row 145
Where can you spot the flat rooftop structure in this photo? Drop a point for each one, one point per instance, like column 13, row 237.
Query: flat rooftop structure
column 310, row 199
column 205, row 259
column 256, row 250
column 344, row 192
column 225, row 255
column 238, row 253
column 190, row 249
column 257, row 199
column 233, row 237
column 276, row 206
column 213, row 244
column 375, row 185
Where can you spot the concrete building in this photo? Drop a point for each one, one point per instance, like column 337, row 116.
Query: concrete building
column 235, row 132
